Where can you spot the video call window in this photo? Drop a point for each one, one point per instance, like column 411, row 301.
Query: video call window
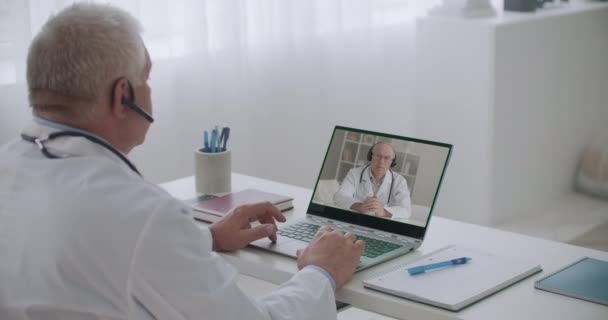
column 390, row 177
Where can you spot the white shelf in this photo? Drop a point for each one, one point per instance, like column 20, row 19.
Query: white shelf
column 510, row 17
column 564, row 220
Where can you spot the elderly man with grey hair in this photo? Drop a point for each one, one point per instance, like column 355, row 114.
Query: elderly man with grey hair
column 84, row 236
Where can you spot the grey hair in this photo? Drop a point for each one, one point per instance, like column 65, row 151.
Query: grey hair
column 77, row 56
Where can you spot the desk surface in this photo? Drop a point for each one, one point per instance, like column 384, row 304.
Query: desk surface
column 520, row 301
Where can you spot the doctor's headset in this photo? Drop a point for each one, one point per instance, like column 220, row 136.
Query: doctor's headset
column 370, row 153
column 129, row 102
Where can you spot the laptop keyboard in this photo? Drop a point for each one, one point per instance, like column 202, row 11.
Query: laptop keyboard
column 306, row 231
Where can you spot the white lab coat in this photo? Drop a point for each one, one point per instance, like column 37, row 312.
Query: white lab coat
column 355, row 188
column 86, row 238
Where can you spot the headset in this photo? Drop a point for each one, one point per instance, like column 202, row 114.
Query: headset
column 370, row 153
column 129, row 102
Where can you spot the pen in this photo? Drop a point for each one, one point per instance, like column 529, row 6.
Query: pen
column 213, row 140
column 422, row 269
column 217, row 141
column 224, row 138
column 220, row 136
column 206, row 141
column 216, row 147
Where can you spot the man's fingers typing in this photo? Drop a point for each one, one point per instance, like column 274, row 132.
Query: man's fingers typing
column 265, row 212
column 335, row 251
column 350, row 236
column 259, row 232
column 324, row 229
column 360, row 244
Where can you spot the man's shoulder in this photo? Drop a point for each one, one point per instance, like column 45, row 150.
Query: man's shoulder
column 112, row 180
column 99, row 180
column 124, row 204
column 398, row 176
column 357, row 170
column 399, row 181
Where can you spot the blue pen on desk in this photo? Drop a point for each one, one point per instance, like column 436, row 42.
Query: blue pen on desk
column 422, row 269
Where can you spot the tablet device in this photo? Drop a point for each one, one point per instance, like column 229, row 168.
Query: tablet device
column 585, row 279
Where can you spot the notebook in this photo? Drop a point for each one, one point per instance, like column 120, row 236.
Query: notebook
column 585, row 279
column 210, row 208
column 410, row 172
column 457, row 286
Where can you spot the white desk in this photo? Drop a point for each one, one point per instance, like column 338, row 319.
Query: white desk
column 520, row 301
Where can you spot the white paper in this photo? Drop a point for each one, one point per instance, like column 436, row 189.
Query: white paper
column 455, row 286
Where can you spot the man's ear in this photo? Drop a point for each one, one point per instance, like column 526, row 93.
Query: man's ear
column 119, row 91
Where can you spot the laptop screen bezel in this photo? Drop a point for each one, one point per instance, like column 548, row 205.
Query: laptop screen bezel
column 369, row 221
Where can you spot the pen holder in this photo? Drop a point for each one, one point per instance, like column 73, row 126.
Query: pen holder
column 212, row 172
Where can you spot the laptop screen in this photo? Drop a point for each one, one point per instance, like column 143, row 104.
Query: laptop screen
column 381, row 181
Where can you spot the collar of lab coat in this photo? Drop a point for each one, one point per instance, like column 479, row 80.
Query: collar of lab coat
column 385, row 182
column 71, row 146
column 371, row 177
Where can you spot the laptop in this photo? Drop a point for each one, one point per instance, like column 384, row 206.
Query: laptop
column 409, row 173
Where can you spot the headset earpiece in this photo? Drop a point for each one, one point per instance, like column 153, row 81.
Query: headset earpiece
column 130, row 102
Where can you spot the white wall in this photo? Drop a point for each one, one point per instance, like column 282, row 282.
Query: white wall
column 283, row 115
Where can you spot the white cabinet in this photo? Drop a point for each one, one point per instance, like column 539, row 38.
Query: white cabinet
column 519, row 96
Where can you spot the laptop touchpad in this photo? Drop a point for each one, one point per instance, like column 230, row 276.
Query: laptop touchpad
column 284, row 245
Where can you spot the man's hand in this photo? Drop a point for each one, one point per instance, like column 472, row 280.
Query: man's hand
column 234, row 231
column 336, row 252
column 357, row 206
column 371, row 204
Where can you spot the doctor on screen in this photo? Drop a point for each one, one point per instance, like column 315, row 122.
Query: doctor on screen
column 375, row 189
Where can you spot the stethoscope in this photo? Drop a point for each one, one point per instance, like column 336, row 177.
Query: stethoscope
column 40, row 143
column 390, row 191
column 129, row 102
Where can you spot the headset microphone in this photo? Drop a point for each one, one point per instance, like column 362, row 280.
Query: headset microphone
column 133, row 106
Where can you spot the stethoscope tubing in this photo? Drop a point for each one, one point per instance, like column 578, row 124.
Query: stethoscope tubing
column 40, row 143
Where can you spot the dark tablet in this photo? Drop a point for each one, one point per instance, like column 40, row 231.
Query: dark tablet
column 586, row 279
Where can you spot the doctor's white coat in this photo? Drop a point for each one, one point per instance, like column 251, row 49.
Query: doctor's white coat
column 356, row 187
column 86, row 238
